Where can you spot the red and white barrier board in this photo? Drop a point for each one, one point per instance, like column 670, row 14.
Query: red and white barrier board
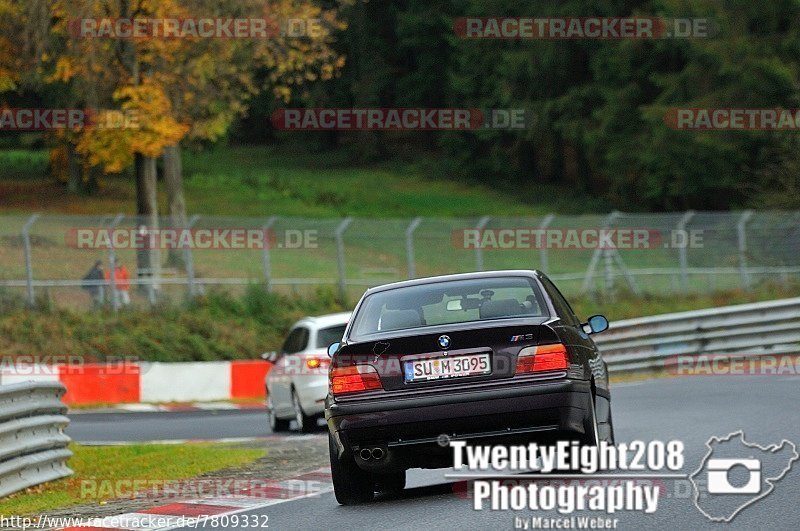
column 97, row 383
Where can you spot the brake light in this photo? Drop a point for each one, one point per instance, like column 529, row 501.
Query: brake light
column 354, row 379
column 318, row 363
column 542, row 358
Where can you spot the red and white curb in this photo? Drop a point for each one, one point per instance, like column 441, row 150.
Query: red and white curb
column 147, row 382
column 202, row 513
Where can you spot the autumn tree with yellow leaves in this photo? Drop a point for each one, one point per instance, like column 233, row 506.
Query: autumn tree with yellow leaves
column 167, row 88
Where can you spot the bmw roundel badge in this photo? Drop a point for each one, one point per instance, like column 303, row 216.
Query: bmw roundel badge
column 444, row 341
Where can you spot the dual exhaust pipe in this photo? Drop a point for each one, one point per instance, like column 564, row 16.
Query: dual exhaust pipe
column 377, row 453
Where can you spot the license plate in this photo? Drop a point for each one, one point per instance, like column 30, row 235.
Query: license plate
column 449, row 367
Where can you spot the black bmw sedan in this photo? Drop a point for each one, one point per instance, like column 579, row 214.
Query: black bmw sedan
column 492, row 358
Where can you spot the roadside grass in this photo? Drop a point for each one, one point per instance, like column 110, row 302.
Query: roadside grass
column 217, row 326
column 98, row 468
column 317, row 189
column 320, row 188
column 260, row 181
column 220, row 326
column 628, row 306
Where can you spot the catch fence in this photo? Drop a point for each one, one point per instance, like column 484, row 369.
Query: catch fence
column 44, row 258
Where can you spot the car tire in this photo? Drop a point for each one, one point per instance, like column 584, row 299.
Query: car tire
column 610, row 439
column 590, row 436
column 351, row 485
column 276, row 424
column 391, row 483
column 305, row 423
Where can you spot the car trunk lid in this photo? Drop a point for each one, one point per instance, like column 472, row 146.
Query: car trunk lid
column 397, row 358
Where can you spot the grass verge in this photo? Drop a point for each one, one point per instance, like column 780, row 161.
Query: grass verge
column 265, row 180
column 106, row 464
column 220, row 326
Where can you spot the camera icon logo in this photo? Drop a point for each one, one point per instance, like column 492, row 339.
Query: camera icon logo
column 718, row 476
column 736, row 473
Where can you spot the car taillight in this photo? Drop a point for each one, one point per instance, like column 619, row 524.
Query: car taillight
column 542, row 358
column 354, row 379
column 318, row 363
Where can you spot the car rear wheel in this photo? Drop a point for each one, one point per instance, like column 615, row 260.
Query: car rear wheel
column 276, row 424
column 351, row 485
column 605, row 422
column 305, row 423
column 591, row 435
column 610, row 438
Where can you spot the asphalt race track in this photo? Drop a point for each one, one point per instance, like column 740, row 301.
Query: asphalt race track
column 691, row 409
column 157, row 426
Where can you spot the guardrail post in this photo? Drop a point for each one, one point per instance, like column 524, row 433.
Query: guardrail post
column 544, row 266
column 683, row 259
column 265, row 256
column 340, row 256
column 478, row 251
column 412, row 270
column 26, row 243
column 112, row 261
column 741, row 228
column 189, row 259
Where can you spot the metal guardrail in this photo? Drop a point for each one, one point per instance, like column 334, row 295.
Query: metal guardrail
column 740, row 331
column 33, row 446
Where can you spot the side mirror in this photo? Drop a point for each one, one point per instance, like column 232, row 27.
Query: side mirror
column 270, row 356
column 596, row 324
column 332, row 348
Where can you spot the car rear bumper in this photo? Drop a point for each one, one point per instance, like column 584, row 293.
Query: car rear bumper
column 413, row 432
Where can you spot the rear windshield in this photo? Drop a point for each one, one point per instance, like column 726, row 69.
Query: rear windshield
column 326, row 336
column 455, row 301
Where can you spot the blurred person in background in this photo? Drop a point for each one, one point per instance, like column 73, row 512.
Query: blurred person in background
column 93, row 283
column 122, row 285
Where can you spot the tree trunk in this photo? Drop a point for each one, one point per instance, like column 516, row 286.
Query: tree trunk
column 173, row 179
column 74, row 177
column 147, row 258
column 176, row 204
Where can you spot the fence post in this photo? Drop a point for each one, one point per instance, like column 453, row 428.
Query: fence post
column 608, row 268
column 741, row 228
column 189, row 259
column 340, row 256
column 683, row 259
column 478, row 251
column 543, row 261
column 26, row 243
column 112, row 261
column 412, row 270
column 598, row 253
column 265, row 256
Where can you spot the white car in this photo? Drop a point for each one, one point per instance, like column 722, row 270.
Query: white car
column 297, row 384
